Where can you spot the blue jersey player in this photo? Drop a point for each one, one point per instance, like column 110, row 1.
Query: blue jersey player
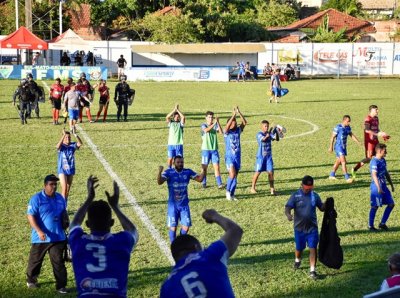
column 340, row 134
column 101, row 259
column 264, row 162
column 203, row 273
column 232, row 151
column 178, row 179
column 66, row 161
column 176, row 121
column 380, row 193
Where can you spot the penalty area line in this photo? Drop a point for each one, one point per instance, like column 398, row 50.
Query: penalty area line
column 162, row 244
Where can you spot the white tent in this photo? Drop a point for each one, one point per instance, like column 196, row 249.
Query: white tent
column 69, row 41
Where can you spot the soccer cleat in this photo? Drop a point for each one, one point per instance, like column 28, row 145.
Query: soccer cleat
column 372, row 229
column 204, row 185
column 221, row 186
column 228, row 196
column 296, row 265
column 332, row 177
column 62, row 291
column 383, row 227
column 313, row 275
column 349, row 180
column 273, row 193
column 32, row 285
column 233, row 198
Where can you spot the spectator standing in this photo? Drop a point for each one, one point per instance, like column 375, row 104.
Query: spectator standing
column 394, row 268
column 176, row 121
column 56, row 93
column 65, row 60
column 46, row 210
column 233, row 151
column 121, row 63
column 35, row 59
column 66, row 161
column 304, row 202
column 203, row 273
column 101, row 259
column 380, row 193
column 90, row 59
column 264, row 161
column 178, row 179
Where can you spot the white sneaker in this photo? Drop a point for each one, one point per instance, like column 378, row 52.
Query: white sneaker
column 228, row 196
column 233, row 198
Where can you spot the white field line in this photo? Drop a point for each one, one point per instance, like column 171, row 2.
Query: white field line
column 162, row 244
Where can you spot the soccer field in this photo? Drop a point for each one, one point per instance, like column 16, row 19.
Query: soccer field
column 132, row 151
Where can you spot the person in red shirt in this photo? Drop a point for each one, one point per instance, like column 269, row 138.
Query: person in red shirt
column 371, row 134
column 394, row 268
column 56, row 93
column 104, row 92
column 83, row 88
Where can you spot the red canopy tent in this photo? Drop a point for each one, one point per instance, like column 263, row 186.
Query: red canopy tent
column 23, row 39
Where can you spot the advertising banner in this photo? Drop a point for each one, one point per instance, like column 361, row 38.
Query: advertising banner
column 203, row 74
column 46, row 72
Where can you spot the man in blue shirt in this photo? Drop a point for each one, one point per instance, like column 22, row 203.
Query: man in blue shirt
column 45, row 215
column 178, row 179
column 340, row 134
column 66, row 160
column 304, row 202
column 232, row 151
column 264, row 162
column 203, row 273
column 380, row 193
column 101, row 259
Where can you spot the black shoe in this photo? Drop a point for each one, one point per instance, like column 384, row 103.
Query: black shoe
column 62, row 291
column 372, row 229
column 313, row 275
column 383, row 227
column 296, row 265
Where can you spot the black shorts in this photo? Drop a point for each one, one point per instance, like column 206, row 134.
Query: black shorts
column 56, row 103
column 84, row 103
column 103, row 100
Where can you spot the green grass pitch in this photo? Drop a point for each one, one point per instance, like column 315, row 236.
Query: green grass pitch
column 262, row 265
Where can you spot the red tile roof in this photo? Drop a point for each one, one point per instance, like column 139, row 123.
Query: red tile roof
column 337, row 21
column 289, row 39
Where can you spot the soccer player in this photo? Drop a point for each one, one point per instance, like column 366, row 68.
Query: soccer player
column 371, row 134
column 304, row 202
column 340, row 134
column 104, row 99
column 66, row 161
column 203, row 273
column 380, row 194
column 209, row 147
column 178, row 179
column 232, row 151
column 264, row 162
column 56, row 92
column 176, row 121
column 101, row 259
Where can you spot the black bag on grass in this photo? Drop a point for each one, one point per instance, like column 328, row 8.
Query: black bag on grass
column 330, row 252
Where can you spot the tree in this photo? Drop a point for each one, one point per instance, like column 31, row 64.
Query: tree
column 350, row 7
column 324, row 34
column 275, row 14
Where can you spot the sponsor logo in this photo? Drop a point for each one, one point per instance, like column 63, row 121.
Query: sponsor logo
column 88, row 284
column 326, row 56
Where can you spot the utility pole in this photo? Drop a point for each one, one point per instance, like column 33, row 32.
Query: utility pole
column 28, row 24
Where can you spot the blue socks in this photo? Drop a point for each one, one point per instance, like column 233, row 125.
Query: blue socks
column 372, row 213
column 172, row 235
column 219, row 180
column 183, row 232
column 386, row 214
column 233, row 186
column 204, row 182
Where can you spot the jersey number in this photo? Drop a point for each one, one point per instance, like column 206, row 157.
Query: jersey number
column 194, row 288
column 98, row 252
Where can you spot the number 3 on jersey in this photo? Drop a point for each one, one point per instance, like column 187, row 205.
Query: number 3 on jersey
column 99, row 252
column 193, row 288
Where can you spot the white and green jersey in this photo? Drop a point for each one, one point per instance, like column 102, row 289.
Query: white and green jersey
column 210, row 141
column 175, row 133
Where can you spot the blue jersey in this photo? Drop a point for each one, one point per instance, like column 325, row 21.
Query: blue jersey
column 232, row 143
column 66, row 159
column 264, row 147
column 48, row 215
column 201, row 274
column 177, row 185
column 378, row 166
column 101, row 262
column 341, row 132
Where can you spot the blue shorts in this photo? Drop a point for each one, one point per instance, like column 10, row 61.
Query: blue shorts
column 232, row 162
column 209, row 155
column 178, row 213
column 73, row 114
column 379, row 199
column 265, row 164
column 340, row 151
column 241, row 72
column 301, row 239
column 276, row 91
column 175, row 150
